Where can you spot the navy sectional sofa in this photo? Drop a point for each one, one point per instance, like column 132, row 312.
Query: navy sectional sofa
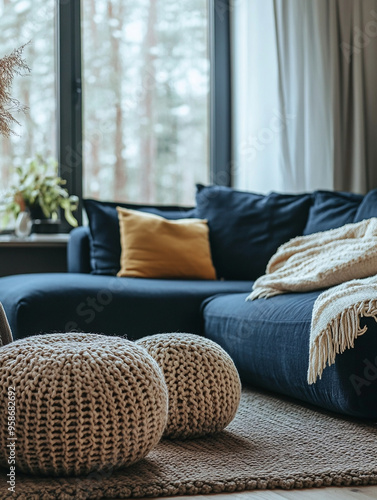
column 267, row 339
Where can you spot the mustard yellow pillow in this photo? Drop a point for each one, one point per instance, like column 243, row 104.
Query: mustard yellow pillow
column 154, row 247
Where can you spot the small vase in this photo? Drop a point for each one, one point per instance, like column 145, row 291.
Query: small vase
column 23, row 225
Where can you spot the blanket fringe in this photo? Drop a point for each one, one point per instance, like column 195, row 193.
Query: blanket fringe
column 339, row 335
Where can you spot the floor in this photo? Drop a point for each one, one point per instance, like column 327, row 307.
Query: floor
column 345, row 493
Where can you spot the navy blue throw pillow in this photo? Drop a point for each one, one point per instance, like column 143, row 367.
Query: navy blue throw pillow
column 332, row 209
column 246, row 229
column 368, row 207
column 105, row 246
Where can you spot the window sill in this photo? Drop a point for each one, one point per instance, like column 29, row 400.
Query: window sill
column 35, row 240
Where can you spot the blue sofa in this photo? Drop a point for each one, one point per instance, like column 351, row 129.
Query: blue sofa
column 267, row 339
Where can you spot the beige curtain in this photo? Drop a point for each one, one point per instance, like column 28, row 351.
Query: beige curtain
column 353, row 64
column 305, row 95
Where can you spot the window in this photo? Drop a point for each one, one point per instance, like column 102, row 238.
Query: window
column 20, row 22
column 145, row 70
column 148, row 121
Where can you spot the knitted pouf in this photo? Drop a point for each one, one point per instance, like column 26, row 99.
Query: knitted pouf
column 83, row 403
column 203, row 383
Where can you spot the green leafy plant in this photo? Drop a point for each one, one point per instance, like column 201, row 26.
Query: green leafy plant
column 38, row 186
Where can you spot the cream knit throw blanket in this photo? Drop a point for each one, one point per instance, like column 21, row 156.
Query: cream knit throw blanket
column 323, row 260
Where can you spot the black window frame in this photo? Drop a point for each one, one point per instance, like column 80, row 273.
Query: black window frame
column 220, row 93
column 68, row 34
column 69, row 90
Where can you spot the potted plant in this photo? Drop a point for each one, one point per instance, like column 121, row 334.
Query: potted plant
column 38, row 192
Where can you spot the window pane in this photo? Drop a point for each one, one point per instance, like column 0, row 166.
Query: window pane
column 146, row 91
column 22, row 21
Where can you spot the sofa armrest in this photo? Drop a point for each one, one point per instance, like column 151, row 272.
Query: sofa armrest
column 78, row 251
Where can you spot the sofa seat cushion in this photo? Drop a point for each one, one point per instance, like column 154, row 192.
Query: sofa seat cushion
column 134, row 307
column 269, row 343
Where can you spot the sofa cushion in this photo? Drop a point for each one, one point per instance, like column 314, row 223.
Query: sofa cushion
column 247, row 228
column 332, row 209
column 105, row 246
column 269, row 343
column 368, row 207
column 134, row 307
column 154, row 247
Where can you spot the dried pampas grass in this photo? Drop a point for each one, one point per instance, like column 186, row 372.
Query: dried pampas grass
column 10, row 65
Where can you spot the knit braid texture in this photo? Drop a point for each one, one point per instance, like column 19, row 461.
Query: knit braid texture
column 84, row 403
column 203, row 383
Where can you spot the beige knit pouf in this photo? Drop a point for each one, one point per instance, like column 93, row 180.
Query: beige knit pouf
column 83, row 403
column 203, row 383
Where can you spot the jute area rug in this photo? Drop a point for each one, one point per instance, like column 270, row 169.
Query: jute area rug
column 272, row 443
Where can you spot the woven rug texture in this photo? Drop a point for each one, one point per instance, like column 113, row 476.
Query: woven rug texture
column 273, row 442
